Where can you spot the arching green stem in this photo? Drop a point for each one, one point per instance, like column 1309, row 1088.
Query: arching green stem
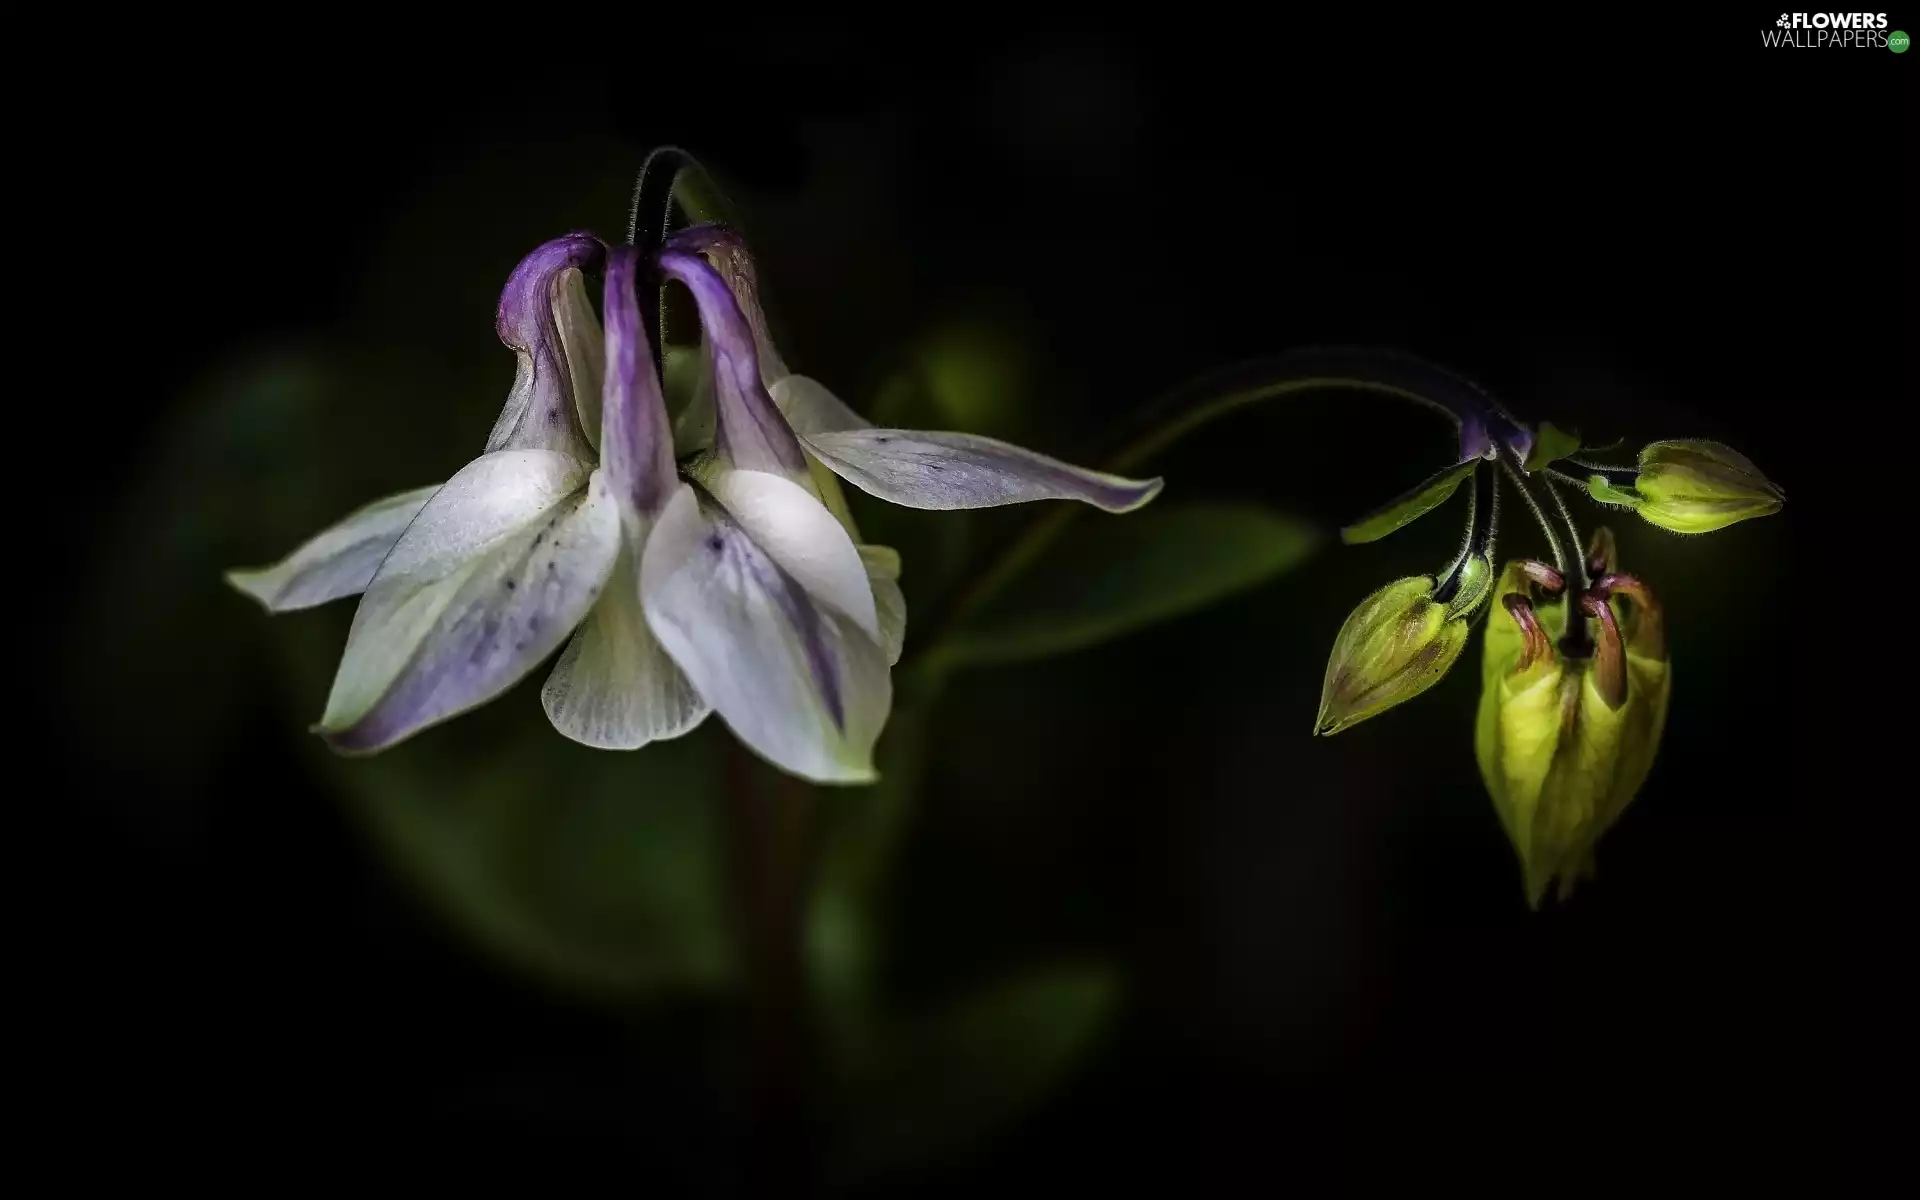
column 1482, row 421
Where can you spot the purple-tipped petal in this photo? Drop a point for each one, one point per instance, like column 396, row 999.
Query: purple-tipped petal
column 751, row 434
column 541, row 412
column 750, row 591
column 337, row 562
column 726, row 251
column 488, row 580
column 916, row 469
column 636, row 443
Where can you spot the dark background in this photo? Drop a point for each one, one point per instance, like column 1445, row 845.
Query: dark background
column 1325, row 941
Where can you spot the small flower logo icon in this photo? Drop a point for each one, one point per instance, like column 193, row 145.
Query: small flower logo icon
column 1783, row 22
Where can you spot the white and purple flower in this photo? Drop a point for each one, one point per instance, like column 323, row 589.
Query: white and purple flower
column 725, row 578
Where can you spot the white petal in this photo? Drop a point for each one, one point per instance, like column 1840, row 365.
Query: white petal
column 796, row 679
column 580, row 340
column 614, row 687
column 883, row 575
column 338, row 562
column 810, row 408
column 798, row 532
column 917, row 469
column 490, row 578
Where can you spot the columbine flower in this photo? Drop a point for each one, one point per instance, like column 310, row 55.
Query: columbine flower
column 1690, row 487
column 1569, row 725
column 725, row 585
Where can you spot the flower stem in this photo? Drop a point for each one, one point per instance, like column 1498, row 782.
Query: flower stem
column 1510, row 464
column 1563, row 537
column 773, row 837
column 1200, row 403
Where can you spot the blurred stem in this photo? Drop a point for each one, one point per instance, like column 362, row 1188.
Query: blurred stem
column 770, row 818
column 1185, row 411
column 846, row 926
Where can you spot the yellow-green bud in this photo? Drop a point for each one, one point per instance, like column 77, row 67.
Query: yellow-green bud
column 1565, row 740
column 1693, row 487
column 1397, row 644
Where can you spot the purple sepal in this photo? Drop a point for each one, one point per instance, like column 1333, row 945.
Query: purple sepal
column 726, row 251
column 636, row 442
column 540, row 412
column 750, row 434
column 1474, row 442
column 1519, row 439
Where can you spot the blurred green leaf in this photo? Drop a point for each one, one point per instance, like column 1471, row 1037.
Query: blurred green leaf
column 1111, row 577
column 1409, row 507
column 942, row 1082
column 859, row 835
column 237, row 475
column 599, row 871
column 701, row 198
column 973, row 375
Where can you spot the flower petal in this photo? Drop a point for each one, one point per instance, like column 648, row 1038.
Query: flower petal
column 916, row 469
column 751, row 434
column 540, row 412
column 883, row 576
column 636, row 443
column 810, row 408
column 501, row 564
column 614, row 687
column 337, row 562
column 586, row 353
column 798, row 533
column 726, row 252
column 797, row 679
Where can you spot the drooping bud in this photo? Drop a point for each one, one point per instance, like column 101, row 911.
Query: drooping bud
column 1398, row 643
column 1563, row 742
column 1693, row 487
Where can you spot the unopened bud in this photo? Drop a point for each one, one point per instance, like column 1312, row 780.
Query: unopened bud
column 1397, row 644
column 1693, row 487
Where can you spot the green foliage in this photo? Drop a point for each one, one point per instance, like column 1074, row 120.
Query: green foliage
column 1108, row 578
column 973, row 376
column 1606, row 493
column 1409, row 507
column 599, row 871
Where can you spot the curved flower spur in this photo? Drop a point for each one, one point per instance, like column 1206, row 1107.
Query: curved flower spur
column 1576, row 680
column 730, row 581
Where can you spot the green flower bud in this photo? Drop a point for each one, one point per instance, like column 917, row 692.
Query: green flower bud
column 1567, row 731
column 1399, row 643
column 1693, row 487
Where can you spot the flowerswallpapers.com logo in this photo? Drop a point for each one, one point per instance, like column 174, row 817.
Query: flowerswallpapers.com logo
column 1813, row 31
